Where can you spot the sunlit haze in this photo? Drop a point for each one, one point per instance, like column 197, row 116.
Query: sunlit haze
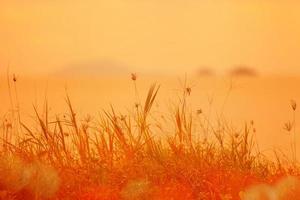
column 150, row 36
column 149, row 99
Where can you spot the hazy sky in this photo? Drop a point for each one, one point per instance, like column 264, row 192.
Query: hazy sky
column 162, row 35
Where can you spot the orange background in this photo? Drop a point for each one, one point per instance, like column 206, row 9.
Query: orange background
column 150, row 35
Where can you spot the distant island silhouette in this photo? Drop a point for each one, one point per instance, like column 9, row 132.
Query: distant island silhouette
column 205, row 71
column 242, row 70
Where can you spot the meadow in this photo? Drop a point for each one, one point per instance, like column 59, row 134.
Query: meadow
column 141, row 152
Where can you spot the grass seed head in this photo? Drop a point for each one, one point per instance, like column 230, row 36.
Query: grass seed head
column 294, row 104
column 288, row 126
column 133, row 76
column 199, row 111
column 188, row 90
column 14, row 78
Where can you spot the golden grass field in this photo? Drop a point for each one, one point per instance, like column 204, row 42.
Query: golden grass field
column 194, row 140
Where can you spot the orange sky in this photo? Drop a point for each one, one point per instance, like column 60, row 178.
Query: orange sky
column 164, row 35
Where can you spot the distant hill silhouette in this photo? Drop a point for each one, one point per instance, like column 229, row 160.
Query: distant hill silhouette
column 243, row 71
column 93, row 69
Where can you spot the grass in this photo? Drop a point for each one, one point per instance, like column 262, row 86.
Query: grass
column 132, row 155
